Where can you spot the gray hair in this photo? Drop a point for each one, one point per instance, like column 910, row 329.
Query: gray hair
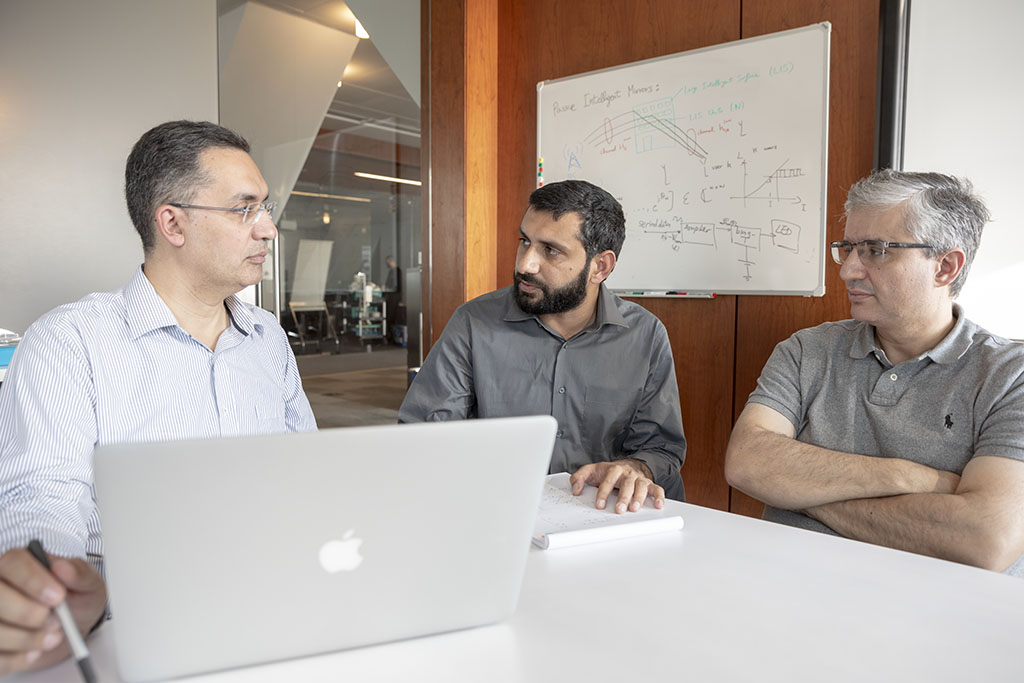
column 164, row 167
column 938, row 209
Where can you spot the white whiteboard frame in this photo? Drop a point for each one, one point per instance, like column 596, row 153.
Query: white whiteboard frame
column 819, row 287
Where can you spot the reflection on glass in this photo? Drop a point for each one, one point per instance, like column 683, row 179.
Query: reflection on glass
column 351, row 246
column 345, row 240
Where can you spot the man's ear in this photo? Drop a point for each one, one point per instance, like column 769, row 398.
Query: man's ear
column 169, row 220
column 949, row 267
column 601, row 266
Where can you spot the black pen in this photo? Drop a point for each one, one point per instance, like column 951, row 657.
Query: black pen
column 78, row 648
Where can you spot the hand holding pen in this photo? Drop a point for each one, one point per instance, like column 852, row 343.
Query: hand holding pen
column 31, row 636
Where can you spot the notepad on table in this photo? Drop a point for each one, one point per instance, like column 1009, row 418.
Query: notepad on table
column 566, row 520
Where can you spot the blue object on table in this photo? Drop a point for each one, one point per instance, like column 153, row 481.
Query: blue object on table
column 5, row 355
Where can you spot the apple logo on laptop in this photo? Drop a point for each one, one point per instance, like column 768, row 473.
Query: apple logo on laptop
column 341, row 556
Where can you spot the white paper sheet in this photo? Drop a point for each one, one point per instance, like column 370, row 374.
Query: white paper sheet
column 565, row 520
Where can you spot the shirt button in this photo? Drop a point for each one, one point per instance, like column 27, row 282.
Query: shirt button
column 561, row 390
column 893, row 377
column 558, row 434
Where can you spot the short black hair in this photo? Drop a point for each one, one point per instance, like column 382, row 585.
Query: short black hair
column 164, row 167
column 604, row 224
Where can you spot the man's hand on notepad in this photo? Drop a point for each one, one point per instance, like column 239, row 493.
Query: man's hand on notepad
column 630, row 477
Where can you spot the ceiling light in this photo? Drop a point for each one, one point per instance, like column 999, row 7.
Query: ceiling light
column 339, row 84
column 387, row 178
column 380, row 124
column 327, row 218
column 330, row 196
column 360, row 31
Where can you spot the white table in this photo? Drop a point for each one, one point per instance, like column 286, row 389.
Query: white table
column 727, row 599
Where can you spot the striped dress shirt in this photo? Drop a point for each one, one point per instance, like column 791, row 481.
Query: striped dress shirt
column 117, row 368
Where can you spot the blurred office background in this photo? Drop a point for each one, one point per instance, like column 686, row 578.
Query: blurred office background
column 319, row 105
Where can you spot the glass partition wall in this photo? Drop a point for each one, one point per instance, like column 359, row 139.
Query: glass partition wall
column 345, row 243
column 346, row 175
column 333, row 118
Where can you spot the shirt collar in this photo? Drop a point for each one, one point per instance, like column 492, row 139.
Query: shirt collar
column 864, row 343
column 146, row 311
column 241, row 317
column 953, row 345
column 607, row 310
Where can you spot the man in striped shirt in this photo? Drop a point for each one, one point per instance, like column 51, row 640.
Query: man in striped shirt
column 174, row 354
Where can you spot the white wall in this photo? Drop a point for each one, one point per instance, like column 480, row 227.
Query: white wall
column 964, row 99
column 79, row 83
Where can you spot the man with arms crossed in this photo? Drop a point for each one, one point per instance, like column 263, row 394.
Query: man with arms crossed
column 171, row 355
column 558, row 342
column 903, row 426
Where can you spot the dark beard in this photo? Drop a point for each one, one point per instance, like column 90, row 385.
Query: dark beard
column 552, row 300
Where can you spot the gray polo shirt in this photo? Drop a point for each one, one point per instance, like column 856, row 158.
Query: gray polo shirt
column 612, row 387
column 962, row 399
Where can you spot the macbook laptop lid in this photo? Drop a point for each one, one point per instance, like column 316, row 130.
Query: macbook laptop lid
column 226, row 552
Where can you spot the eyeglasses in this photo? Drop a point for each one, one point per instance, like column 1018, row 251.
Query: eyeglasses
column 870, row 252
column 251, row 213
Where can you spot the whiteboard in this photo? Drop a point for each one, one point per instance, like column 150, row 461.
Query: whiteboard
column 718, row 156
column 311, row 266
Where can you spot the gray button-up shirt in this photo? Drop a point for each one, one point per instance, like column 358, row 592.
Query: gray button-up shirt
column 612, row 387
column 960, row 400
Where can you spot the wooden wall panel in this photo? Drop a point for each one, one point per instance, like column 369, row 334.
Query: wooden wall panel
column 702, row 334
column 762, row 322
column 545, row 39
column 460, row 132
column 481, row 145
column 444, row 128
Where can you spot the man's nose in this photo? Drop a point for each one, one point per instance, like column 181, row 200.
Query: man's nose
column 852, row 268
column 528, row 261
column 264, row 228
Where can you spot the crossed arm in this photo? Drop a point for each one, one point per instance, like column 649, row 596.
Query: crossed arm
column 975, row 519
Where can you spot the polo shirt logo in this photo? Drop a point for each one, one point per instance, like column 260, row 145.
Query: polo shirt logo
column 949, row 421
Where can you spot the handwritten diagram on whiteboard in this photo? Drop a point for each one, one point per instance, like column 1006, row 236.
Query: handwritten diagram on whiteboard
column 717, row 155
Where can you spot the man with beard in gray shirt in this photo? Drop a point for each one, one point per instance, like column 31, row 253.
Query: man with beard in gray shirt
column 557, row 342
column 903, row 427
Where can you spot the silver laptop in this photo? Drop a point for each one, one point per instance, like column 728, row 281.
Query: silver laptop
column 226, row 552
